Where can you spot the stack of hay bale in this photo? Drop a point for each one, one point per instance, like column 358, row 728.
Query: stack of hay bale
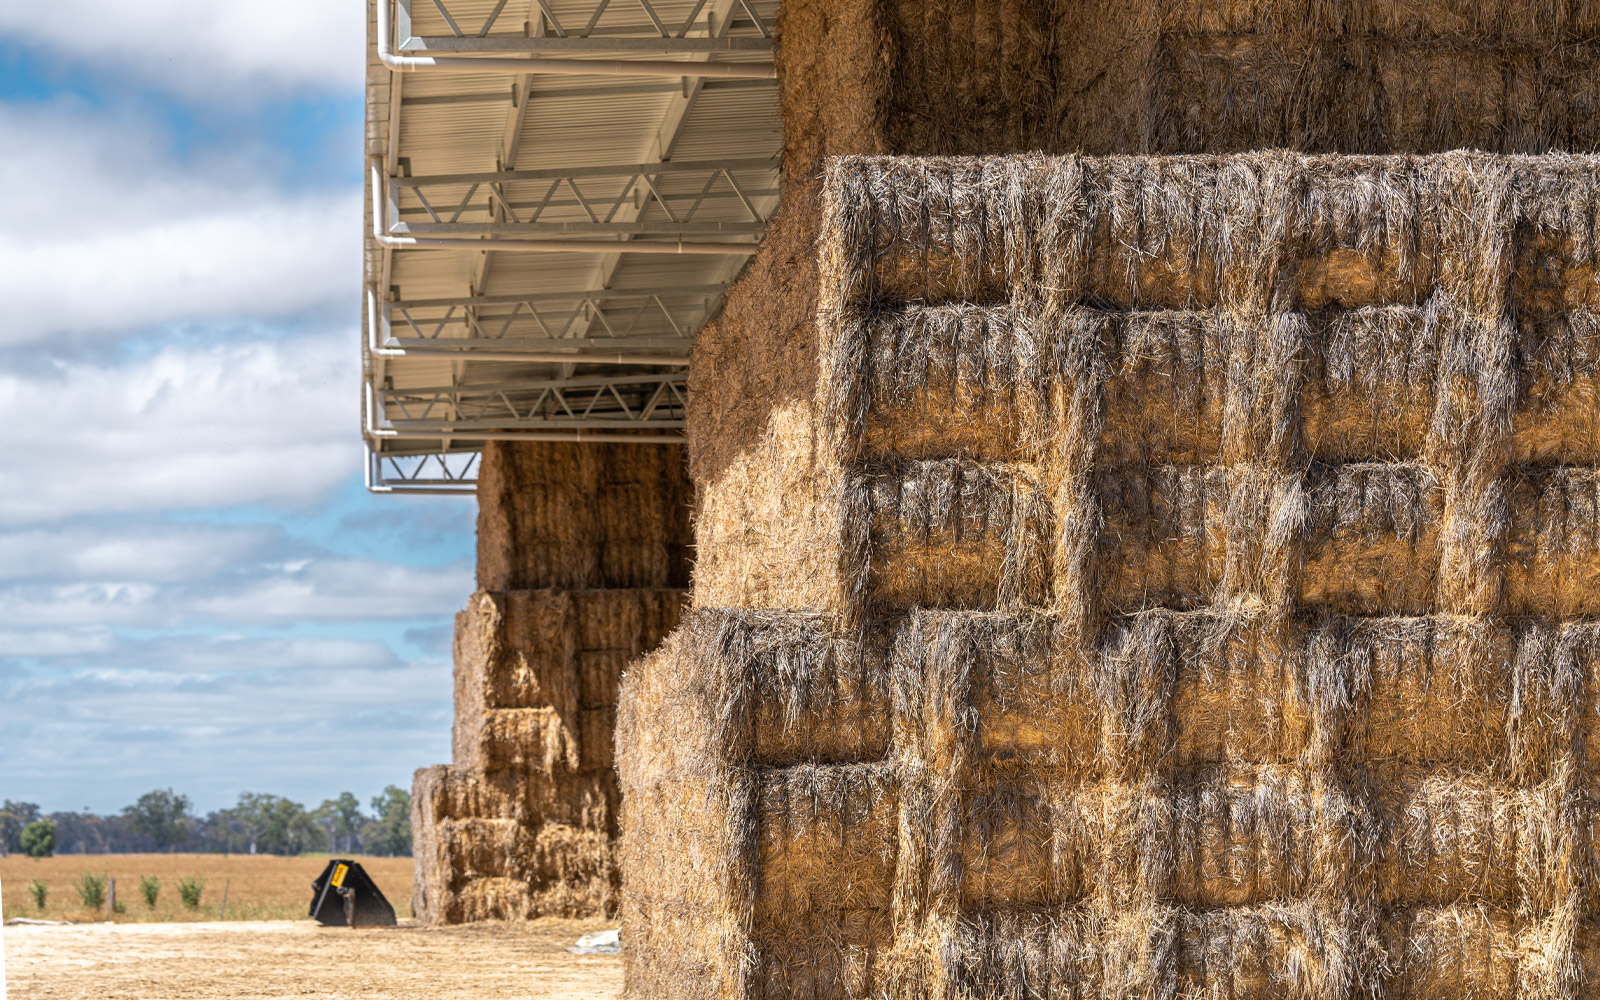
column 576, row 579
column 1136, row 575
column 929, row 77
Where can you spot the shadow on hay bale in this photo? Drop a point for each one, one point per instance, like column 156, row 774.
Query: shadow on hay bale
column 1175, row 575
column 582, row 564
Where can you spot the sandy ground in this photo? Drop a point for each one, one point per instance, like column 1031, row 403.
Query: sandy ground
column 298, row 958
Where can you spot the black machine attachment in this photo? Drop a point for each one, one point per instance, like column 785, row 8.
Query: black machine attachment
column 344, row 895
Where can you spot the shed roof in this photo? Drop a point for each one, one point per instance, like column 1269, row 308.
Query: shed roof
column 526, row 324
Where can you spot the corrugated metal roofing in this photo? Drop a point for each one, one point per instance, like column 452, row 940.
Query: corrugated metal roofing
column 427, row 406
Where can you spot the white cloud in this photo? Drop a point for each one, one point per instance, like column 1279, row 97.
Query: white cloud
column 114, row 234
column 152, row 267
column 351, row 590
column 271, row 421
column 263, row 260
column 136, row 662
column 143, row 551
column 157, row 573
column 345, row 589
column 216, row 49
column 35, row 642
column 71, row 734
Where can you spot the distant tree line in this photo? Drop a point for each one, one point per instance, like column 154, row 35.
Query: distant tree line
column 164, row 821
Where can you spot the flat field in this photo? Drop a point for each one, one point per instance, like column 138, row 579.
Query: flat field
column 260, row 887
column 260, row 959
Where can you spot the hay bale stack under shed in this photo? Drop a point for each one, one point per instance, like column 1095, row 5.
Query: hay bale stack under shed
column 1157, row 576
column 934, row 77
column 939, row 77
column 582, row 566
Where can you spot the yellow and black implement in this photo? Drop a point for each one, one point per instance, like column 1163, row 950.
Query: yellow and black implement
column 344, row 895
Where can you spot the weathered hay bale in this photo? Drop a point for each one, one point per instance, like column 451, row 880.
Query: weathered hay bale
column 582, row 516
column 936, row 77
column 1248, row 364
column 1156, row 576
column 1264, row 952
column 522, row 823
column 582, row 557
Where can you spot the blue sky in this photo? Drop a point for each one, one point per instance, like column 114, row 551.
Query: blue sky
column 195, row 590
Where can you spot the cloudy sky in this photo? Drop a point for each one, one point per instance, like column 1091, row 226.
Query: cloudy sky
column 195, row 589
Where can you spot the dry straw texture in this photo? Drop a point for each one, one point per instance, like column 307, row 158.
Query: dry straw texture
column 581, row 552
column 1173, row 577
column 583, row 516
column 929, row 77
column 939, row 77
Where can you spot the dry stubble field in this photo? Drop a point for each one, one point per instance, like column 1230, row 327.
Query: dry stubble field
column 260, row 887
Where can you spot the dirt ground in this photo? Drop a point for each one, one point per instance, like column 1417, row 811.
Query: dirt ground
column 297, row 958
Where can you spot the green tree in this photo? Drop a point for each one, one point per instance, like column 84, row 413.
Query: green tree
column 92, row 890
column 150, row 889
column 190, row 889
column 389, row 832
column 40, row 891
column 39, row 839
column 14, row 818
column 161, row 815
column 342, row 818
column 276, row 825
column 250, row 816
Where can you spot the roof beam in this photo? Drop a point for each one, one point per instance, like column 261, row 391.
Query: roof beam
column 607, row 293
column 575, row 228
column 719, row 18
column 534, row 26
column 559, row 93
column 764, row 70
column 585, row 46
column 651, row 166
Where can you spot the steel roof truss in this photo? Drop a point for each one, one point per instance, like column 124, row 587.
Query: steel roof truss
column 761, row 25
column 595, row 313
column 511, row 317
column 545, row 202
column 409, row 473
column 550, row 15
column 529, row 298
column 688, row 22
column 644, row 178
column 637, row 316
column 425, row 439
column 654, row 401
column 573, row 186
column 600, row 170
column 494, row 15
column 454, row 28
column 668, row 314
column 700, row 199
column 427, row 205
column 629, row 198
column 599, row 9
column 643, row 39
column 650, row 12
column 497, row 192
column 614, row 33
column 631, row 195
column 755, row 216
column 464, row 201
column 501, row 347
column 620, row 401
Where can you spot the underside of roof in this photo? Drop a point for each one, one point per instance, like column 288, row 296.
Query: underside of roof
column 545, row 238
